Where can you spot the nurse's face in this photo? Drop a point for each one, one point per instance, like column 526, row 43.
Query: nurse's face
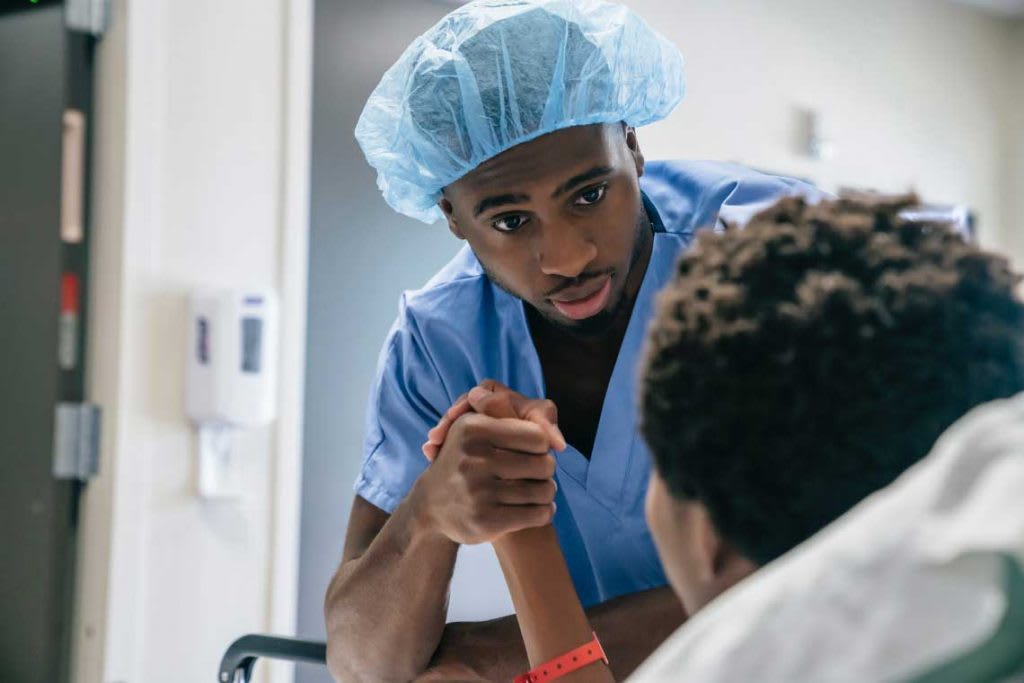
column 559, row 223
column 699, row 564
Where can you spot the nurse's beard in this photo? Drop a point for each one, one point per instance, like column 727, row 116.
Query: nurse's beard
column 599, row 324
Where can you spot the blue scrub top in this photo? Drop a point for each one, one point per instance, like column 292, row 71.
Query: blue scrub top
column 460, row 329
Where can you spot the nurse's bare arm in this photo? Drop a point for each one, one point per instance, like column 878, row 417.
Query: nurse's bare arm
column 630, row 627
column 385, row 607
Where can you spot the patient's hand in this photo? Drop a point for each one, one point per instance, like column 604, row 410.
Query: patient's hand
column 494, row 399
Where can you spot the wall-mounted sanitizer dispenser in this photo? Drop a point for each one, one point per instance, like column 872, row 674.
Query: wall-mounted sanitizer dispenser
column 231, row 378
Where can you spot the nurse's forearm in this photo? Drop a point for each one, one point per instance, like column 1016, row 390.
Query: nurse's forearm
column 385, row 610
column 551, row 618
column 630, row 627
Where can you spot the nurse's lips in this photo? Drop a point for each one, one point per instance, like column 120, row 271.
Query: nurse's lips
column 584, row 301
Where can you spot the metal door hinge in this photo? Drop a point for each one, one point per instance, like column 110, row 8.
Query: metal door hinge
column 87, row 16
column 76, row 441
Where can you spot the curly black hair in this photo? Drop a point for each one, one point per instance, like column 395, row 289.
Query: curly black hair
column 805, row 361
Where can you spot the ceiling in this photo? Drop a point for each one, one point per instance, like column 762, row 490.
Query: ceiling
column 1003, row 8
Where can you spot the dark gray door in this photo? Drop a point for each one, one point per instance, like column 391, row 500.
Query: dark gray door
column 44, row 70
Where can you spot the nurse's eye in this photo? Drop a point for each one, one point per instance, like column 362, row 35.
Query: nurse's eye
column 509, row 222
column 591, row 195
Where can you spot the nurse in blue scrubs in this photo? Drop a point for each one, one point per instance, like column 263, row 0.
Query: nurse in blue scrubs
column 515, row 122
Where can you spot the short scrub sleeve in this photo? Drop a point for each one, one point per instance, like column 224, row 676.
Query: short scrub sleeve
column 406, row 400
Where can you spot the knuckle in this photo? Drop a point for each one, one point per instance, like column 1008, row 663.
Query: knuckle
column 486, row 405
column 483, row 494
column 547, row 514
column 535, row 434
column 478, row 489
column 466, row 425
column 548, row 466
column 457, row 430
column 472, row 431
column 467, row 467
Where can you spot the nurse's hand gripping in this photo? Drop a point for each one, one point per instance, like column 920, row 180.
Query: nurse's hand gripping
column 493, row 398
column 492, row 475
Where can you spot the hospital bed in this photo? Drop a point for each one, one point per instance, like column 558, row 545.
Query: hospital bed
column 1003, row 652
column 238, row 661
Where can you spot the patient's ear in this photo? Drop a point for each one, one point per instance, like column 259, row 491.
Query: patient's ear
column 722, row 565
column 698, row 562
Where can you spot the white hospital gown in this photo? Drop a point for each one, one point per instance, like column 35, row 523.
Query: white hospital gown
column 913, row 578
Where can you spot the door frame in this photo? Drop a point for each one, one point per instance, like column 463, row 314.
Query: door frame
column 110, row 588
column 294, row 282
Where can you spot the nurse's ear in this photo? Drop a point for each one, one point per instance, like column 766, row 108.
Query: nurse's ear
column 449, row 214
column 633, row 144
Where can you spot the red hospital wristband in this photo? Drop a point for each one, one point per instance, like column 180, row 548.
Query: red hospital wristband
column 571, row 661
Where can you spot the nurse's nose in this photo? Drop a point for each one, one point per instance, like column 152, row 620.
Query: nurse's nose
column 564, row 250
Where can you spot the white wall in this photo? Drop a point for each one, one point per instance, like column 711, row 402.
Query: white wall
column 190, row 191
column 910, row 92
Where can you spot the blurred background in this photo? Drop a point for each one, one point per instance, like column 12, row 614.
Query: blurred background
column 153, row 149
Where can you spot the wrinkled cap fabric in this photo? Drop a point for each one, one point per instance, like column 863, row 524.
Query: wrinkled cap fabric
column 497, row 73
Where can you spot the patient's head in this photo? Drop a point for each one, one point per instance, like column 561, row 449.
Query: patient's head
column 801, row 363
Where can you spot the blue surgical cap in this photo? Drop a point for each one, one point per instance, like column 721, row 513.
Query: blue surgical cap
column 496, row 73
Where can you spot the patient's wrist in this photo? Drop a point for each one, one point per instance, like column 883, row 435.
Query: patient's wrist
column 565, row 664
column 528, row 541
